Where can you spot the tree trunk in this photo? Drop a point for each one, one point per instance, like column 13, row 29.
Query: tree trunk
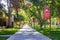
column 40, row 18
column 9, row 22
column 17, row 14
column 9, row 15
column 40, row 23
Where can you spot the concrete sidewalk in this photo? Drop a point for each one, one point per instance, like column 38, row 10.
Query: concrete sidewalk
column 27, row 33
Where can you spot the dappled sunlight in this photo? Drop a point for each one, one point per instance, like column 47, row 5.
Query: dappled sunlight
column 27, row 33
column 30, row 39
column 30, row 19
column 24, row 14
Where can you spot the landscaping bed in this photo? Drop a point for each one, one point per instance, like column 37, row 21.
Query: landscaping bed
column 8, row 31
column 52, row 33
column 3, row 38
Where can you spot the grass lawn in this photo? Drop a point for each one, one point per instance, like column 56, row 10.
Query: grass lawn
column 8, row 31
column 3, row 38
column 54, row 34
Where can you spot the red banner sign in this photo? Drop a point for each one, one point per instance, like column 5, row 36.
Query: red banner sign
column 46, row 12
column 33, row 19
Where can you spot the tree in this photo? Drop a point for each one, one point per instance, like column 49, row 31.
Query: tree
column 37, row 7
column 16, row 5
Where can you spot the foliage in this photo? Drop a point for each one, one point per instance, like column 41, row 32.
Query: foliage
column 8, row 31
column 1, row 14
column 3, row 38
column 1, row 6
column 19, row 18
column 54, row 35
column 36, row 8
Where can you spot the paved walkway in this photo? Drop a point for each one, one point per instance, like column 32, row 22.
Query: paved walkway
column 27, row 33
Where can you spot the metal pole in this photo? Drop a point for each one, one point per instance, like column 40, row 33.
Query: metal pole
column 50, row 20
column 44, row 3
